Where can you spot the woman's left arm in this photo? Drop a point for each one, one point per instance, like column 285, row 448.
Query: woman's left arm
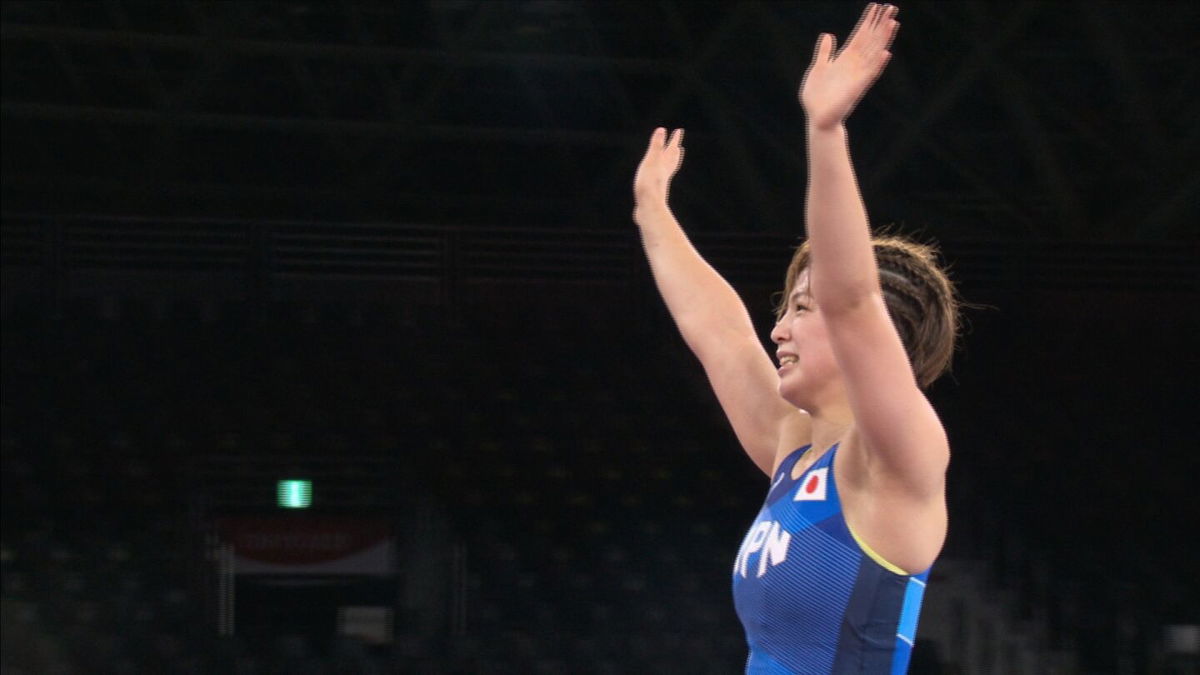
column 893, row 418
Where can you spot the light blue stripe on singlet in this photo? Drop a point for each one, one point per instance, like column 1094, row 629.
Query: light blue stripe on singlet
column 906, row 630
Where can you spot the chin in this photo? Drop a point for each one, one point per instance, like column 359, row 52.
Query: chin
column 793, row 394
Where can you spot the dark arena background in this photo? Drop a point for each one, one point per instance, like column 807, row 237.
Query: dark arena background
column 329, row 346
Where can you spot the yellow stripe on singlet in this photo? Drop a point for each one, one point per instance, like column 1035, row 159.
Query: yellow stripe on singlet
column 875, row 556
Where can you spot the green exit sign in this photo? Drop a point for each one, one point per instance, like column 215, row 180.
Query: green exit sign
column 294, row 494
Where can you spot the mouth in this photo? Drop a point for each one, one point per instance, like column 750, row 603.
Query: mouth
column 787, row 360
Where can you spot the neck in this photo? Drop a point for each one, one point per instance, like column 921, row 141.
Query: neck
column 830, row 426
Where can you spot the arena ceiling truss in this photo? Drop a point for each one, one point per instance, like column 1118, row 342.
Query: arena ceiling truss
column 1060, row 121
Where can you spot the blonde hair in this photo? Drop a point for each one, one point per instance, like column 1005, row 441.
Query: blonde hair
column 921, row 301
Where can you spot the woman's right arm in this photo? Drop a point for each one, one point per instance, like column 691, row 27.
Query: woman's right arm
column 711, row 317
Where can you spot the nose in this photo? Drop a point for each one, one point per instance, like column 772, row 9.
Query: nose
column 779, row 333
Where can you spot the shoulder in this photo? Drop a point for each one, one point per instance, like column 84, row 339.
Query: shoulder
column 920, row 477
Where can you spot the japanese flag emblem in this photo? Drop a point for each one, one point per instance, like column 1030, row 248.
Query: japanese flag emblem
column 812, row 486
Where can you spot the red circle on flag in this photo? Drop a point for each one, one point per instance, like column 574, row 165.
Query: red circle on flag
column 812, row 484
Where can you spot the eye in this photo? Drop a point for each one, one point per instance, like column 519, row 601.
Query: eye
column 801, row 307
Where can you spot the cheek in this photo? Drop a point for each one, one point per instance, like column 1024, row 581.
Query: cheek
column 810, row 330
column 813, row 344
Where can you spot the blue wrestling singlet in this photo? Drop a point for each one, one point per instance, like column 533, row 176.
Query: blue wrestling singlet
column 812, row 597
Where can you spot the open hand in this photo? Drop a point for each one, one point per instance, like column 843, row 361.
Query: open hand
column 662, row 159
column 836, row 80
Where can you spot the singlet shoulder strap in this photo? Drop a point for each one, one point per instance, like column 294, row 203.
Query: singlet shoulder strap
column 827, row 457
column 797, row 455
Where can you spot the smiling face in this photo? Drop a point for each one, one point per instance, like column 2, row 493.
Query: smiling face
column 808, row 371
column 921, row 301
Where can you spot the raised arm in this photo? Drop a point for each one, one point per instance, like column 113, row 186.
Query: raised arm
column 898, row 427
column 710, row 315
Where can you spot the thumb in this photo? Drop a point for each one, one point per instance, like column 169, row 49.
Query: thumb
column 656, row 138
column 826, row 43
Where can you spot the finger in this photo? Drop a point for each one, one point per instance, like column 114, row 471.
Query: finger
column 825, row 47
column 864, row 23
column 883, row 13
column 885, row 31
column 892, row 24
column 676, row 139
column 892, row 28
column 656, row 138
column 881, row 34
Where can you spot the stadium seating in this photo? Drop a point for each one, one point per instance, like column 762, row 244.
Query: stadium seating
column 584, row 470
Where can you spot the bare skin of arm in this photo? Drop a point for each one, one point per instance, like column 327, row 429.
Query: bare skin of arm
column 711, row 316
column 896, row 451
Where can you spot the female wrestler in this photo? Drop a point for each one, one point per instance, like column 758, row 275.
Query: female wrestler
column 830, row 577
